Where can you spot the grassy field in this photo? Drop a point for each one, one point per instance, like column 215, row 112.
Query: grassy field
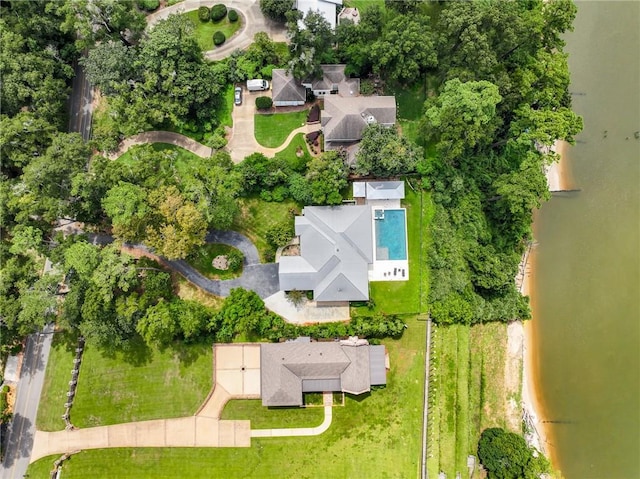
column 402, row 297
column 185, row 290
column 271, row 130
column 264, row 418
column 204, row 30
column 144, row 384
column 375, row 435
column 468, row 393
column 202, row 258
column 257, row 216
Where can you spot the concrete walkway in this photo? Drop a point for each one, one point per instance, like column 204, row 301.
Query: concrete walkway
column 253, row 21
column 242, row 141
column 162, row 137
column 327, row 399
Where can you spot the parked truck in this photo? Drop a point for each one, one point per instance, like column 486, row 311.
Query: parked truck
column 257, row 85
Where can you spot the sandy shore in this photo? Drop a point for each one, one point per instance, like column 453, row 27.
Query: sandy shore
column 559, row 178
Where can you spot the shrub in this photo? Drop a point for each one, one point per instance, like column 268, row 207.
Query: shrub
column 280, row 233
column 148, row 5
column 218, row 12
column 235, row 259
column 204, row 14
column 233, row 16
column 218, row 38
column 263, row 102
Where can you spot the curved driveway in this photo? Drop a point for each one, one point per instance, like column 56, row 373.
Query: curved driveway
column 258, row 277
column 253, row 21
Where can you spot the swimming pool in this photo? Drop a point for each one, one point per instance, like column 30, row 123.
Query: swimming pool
column 391, row 234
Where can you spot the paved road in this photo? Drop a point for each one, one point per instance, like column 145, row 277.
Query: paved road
column 23, row 428
column 80, row 108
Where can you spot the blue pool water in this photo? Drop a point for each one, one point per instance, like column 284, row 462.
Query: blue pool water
column 391, row 239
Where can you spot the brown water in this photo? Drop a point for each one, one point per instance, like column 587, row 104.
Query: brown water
column 586, row 300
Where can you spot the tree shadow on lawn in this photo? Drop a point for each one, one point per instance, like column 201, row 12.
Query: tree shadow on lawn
column 134, row 351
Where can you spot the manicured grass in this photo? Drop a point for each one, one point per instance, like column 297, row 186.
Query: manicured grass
column 402, row 297
column 56, row 383
column 362, row 4
column 226, row 108
column 201, row 260
column 289, row 153
column 468, row 393
column 375, row 435
column 257, row 216
column 272, row 129
column 269, row 417
column 410, row 100
column 204, row 30
column 145, row 383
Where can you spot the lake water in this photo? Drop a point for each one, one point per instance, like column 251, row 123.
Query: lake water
column 586, row 286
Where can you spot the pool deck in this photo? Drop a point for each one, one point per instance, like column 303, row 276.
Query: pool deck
column 388, row 270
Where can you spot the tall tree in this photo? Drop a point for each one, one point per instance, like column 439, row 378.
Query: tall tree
column 311, row 43
column 276, row 9
column 97, row 20
column 463, row 116
column 326, row 177
column 405, row 50
column 383, row 152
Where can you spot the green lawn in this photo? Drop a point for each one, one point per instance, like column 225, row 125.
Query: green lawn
column 201, row 260
column 402, row 297
column 469, row 393
column 225, row 110
column 362, row 4
column 146, row 383
column 272, row 129
column 257, row 216
column 290, row 152
column 375, row 435
column 410, row 100
column 204, row 30
column 273, row 417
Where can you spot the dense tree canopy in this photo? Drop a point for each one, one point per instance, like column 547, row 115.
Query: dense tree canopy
column 505, row 455
column 311, row 43
column 383, row 152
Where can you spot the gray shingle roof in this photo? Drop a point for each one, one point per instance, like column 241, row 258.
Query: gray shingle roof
column 344, row 119
column 286, row 369
column 335, row 252
column 286, row 88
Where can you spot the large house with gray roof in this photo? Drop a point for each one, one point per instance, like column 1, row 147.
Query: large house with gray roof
column 344, row 119
column 335, row 253
column 287, row 370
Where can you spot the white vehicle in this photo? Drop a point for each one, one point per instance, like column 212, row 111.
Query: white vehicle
column 257, row 85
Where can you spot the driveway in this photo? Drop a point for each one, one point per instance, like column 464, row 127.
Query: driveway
column 253, row 21
column 242, row 142
column 258, row 277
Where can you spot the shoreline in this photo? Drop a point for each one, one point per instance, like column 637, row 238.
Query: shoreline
column 558, row 178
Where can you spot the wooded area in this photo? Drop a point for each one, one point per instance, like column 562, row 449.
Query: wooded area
column 496, row 79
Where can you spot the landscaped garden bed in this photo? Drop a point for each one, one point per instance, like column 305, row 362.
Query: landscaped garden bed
column 217, row 261
column 204, row 31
